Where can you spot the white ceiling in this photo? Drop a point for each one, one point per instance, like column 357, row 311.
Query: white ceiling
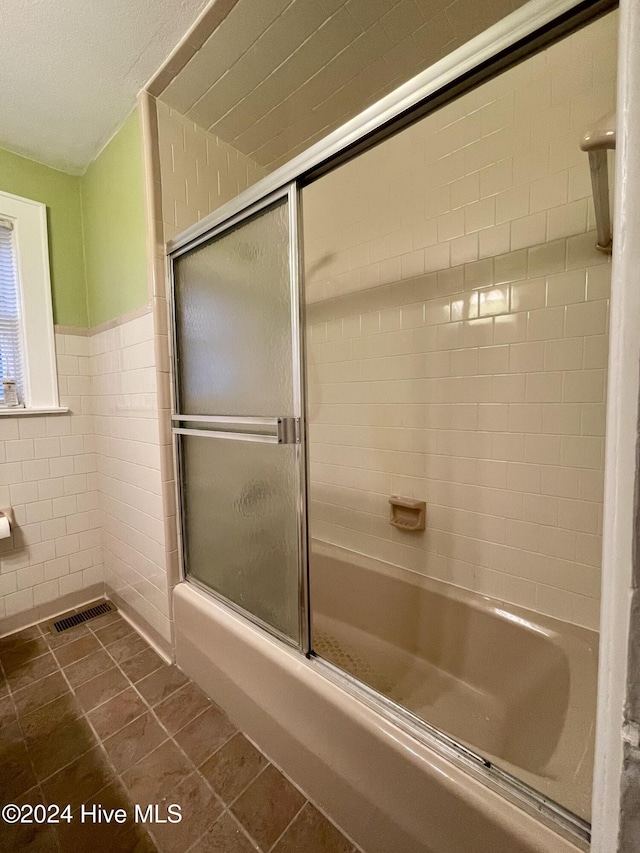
column 71, row 70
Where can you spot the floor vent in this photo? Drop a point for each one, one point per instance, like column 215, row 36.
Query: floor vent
column 74, row 619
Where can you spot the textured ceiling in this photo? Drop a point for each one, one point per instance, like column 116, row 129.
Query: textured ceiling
column 277, row 75
column 71, row 70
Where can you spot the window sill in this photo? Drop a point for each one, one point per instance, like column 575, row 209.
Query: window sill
column 17, row 412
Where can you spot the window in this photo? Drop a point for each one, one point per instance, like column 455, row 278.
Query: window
column 27, row 348
column 10, row 338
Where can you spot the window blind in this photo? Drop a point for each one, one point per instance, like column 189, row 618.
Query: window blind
column 10, row 343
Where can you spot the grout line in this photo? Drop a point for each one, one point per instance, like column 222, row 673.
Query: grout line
column 176, row 745
column 15, row 711
column 291, row 822
column 307, row 798
column 141, row 632
column 64, row 766
column 33, row 683
column 240, row 827
column 250, row 783
column 116, row 778
column 100, row 747
column 73, row 691
column 39, row 782
column 195, row 847
column 243, row 828
column 171, row 737
column 158, row 721
column 126, row 660
column 35, row 680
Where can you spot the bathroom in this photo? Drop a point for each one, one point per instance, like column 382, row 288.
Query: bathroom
column 388, row 633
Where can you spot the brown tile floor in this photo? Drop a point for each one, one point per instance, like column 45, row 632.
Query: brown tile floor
column 96, row 717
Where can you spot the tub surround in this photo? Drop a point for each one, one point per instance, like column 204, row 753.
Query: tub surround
column 312, row 67
column 199, row 171
column 457, row 328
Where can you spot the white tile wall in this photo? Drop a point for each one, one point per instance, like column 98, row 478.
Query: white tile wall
column 127, row 451
column 199, row 171
column 458, row 319
column 48, row 475
column 274, row 81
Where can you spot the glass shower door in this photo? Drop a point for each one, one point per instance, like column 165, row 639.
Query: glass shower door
column 239, row 408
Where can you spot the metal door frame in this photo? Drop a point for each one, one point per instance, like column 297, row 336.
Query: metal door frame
column 282, row 432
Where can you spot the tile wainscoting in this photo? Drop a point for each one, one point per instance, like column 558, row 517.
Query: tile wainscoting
column 48, row 476
column 128, row 462
column 86, row 486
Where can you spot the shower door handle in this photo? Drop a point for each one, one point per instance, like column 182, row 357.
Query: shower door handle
column 287, row 430
column 232, row 436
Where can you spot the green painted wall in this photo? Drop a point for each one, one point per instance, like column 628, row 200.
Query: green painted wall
column 97, row 228
column 61, row 193
column 114, row 222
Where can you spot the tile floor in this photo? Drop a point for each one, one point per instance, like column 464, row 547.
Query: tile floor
column 95, row 716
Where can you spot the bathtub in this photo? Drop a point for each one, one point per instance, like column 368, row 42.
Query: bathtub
column 516, row 687
column 386, row 788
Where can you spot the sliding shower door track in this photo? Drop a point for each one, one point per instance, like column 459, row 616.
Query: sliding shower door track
column 555, row 816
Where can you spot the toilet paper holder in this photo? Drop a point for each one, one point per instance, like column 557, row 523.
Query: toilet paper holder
column 7, row 513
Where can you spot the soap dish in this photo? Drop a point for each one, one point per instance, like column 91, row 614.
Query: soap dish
column 407, row 513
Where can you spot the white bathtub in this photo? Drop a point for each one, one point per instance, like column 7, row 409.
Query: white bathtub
column 388, row 791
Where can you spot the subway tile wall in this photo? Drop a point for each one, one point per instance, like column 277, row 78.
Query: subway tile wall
column 48, row 475
column 199, row 171
column 457, row 337
column 272, row 83
column 124, row 402
column 86, row 486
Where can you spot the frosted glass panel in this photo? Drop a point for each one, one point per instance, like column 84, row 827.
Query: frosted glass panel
column 241, row 536
column 233, row 316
